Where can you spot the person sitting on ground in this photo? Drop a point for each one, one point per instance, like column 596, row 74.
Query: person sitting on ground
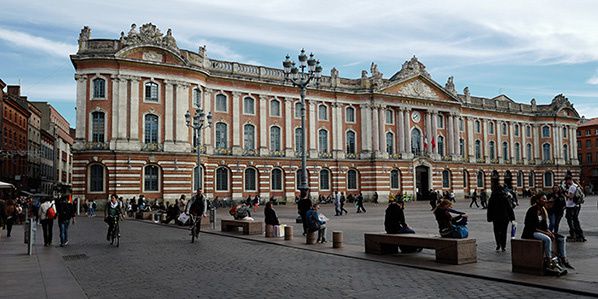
column 536, row 227
column 270, row 215
column 449, row 226
column 317, row 223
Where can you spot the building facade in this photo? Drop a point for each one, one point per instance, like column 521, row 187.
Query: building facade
column 587, row 144
column 34, row 148
column 14, row 145
column 372, row 134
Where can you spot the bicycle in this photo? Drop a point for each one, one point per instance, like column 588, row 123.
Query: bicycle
column 194, row 227
column 115, row 233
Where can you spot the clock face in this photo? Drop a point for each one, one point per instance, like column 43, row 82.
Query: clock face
column 415, row 116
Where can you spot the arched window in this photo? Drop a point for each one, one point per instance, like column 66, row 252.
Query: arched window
column 528, row 131
column 446, row 179
column 478, row 150
column 465, row 180
column 197, row 177
column 197, row 97
column 441, row 146
column 151, row 128
column 492, row 150
column 350, row 140
column 298, row 139
column 248, row 105
column 352, row 179
column 395, row 179
column 461, row 147
column 323, row 112
column 529, row 152
column 275, row 138
column 99, row 88
column 96, row 178
column 324, row 179
column 221, row 135
column 520, row 179
column 546, row 152
column 98, row 124
column 350, row 115
column 481, row 179
column 517, row 151
column 275, row 107
column 250, row 179
column 221, row 179
column 491, row 127
column 565, row 129
column 323, row 141
column 221, row 103
column 389, row 143
column 298, row 110
column 151, row 174
column 151, row 92
column 504, row 128
column 276, row 181
column 248, row 137
column 416, row 142
column 516, row 128
column 548, row 179
column 566, row 152
column 478, row 126
column 505, row 150
column 531, row 181
column 545, row 131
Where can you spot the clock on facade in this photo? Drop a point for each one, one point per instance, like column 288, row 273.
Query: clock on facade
column 415, row 116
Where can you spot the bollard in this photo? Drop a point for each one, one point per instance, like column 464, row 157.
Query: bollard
column 213, row 217
column 288, row 233
column 310, row 238
column 269, row 231
column 337, row 239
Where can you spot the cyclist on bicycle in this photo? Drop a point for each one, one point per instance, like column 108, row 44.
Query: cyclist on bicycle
column 112, row 213
column 197, row 208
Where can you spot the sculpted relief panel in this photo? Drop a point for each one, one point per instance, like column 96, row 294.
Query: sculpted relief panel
column 417, row 89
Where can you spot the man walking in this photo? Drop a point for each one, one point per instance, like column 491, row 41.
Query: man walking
column 360, row 203
column 343, row 199
column 573, row 197
column 337, row 204
column 66, row 212
column 474, row 199
column 47, row 219
column 303, row 205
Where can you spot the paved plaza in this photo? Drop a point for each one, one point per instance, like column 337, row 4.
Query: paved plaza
column 159, row 261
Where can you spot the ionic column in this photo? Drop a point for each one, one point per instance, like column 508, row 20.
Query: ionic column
column 435, row 134
column 523, row 147
column 407, row 128
column 556, row 144
column 470, row 141
column 134, row 112
column 313, row 152
column 366, row 141
column 485, row 142
column 288, row 114
column 114, row 114
column 264, row 149
column 339, row 129
column 336, row 145
column 536, row 132
column 168, row 113
column 451, row 134
column 81, row 131
column 428, row 135
column 376, row 129
column 182, row 105
column 122, row 108
column 236, row 128
column 207, row 133
column 401, row 132
column 512, row 142
column 382, row 131
column 456, row 135
column 498, row 131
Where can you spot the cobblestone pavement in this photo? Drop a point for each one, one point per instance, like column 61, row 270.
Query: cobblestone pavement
column 159, row 261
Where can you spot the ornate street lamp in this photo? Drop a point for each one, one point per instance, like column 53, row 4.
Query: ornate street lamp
column 309, row 70
column 198, row 123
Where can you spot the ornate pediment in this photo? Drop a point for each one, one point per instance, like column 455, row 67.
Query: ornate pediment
column 420, row 88
column 149, row 34
column 416, row 88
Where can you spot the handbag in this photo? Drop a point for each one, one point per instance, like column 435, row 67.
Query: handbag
column 183, row 218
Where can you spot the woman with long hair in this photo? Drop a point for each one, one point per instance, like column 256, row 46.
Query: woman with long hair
column 500, row 213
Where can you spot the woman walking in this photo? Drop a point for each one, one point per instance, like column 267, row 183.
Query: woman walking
column 500, row 213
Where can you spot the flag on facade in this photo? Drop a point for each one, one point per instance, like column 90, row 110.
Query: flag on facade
column 433, row 143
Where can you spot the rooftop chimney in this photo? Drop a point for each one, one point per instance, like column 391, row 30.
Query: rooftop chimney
column 14, row 90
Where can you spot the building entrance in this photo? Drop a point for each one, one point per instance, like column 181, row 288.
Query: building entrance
column 422, row 180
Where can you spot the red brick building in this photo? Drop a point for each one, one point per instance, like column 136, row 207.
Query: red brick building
column 14, row 141
column 587, row 143
column 371, row 134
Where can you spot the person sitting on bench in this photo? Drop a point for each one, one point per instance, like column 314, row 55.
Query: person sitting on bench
column 394, row 223
column 449, row 226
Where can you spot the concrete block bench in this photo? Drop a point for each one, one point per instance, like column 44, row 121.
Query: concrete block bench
column 145, row 215
column 527, row 256
column 448, row 251
column 249, row 227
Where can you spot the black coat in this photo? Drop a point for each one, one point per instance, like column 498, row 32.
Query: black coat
column 534, row 220
column 304, row 205
column 394, row 219
column 271, row 218
column 499, row 208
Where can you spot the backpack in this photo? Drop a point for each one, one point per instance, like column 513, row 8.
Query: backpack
column 51, row 212
column 314, row 224
column 579, row 196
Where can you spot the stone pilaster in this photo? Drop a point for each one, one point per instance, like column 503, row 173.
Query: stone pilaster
column 263, row 129
column 289, row 133
column 82, row 117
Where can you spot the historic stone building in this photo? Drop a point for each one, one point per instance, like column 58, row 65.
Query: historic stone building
column 14, row 115
column 370, row 134
column 587, row 144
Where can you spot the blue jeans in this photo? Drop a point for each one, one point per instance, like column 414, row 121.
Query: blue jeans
column 64, row 231
column 560, row 243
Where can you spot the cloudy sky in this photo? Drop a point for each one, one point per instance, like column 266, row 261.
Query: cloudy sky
column 524, row 49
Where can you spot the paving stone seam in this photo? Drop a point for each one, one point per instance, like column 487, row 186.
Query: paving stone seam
column 490, row 278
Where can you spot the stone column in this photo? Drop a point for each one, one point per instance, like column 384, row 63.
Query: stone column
column 523, row 147
column 134, row 112
column 289, row 132
column 81, row 132
column 339, row 129
column 407, row 128
column 512, row 142
column 485, row 141
column 382, row 132
column 208, row 132
column 122, row 109
column 428, row 135
column 536, row 132
column 456, row 135
column 263, row 129
column 336, row 145
column 236, row 127
column 115, row 113
column 574, row 157
column 182, row 106
column 498, row 131
column 376, row 129
column 451, row 135
column 400, row 131
column 556, row 144
column 366, row 124
column 313, row 149
column 168, row 115
column 434, row 117
column 470, row 140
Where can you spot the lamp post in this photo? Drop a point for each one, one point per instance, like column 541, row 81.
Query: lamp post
column 309, row 70
column 198, row 123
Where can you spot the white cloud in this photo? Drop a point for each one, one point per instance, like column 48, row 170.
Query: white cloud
column 58, row 92
column 587, row 110
column 593, row 80
column 26, row 40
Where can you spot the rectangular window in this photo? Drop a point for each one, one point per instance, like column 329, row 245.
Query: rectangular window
column 461, row 125
column 589, row 157
column 389, row 117
column 440, row 121
column 588, row 144
column 588, row 133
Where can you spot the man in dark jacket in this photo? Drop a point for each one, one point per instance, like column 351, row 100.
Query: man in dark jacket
column 394, row 223
column 303, row 206
column 500, row 213
column 66, row 212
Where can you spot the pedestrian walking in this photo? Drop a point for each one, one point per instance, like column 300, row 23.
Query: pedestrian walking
column 47, row 213
column 556, row 208
column 66, row 213
column 337, row 204
column 483, row 199
column 359, row 203
column 500, row 213
column 573, row 200
column 343, row 200
column 375, row 198
column 10, row 215
column 474, row 199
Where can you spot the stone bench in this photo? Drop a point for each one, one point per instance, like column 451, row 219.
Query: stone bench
column 145, row 215
column 249, row 227
column 527, row 256
column 448, row 251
